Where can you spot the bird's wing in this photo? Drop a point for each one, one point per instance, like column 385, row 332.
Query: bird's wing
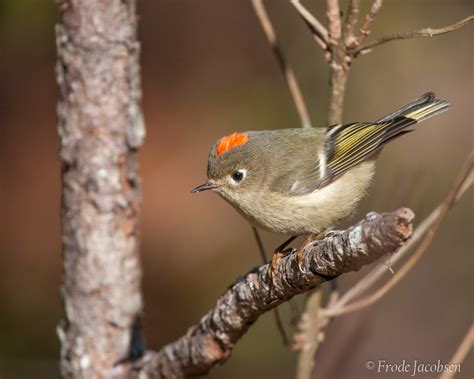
column 346, row 146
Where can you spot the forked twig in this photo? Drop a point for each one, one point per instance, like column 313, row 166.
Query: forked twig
column 428, row 32
column 290, row 77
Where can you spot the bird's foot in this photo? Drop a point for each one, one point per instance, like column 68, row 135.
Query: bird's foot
column 277, row 255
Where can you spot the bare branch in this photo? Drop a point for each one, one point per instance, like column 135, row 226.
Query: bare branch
column 463, row 177
column 365, row 30
column 211, row 341
column 320, row 33
column 334, row 21
column 428, row 32
column 461, row 353
column 290, row 78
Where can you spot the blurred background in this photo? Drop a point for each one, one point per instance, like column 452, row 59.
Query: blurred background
column 207, row 71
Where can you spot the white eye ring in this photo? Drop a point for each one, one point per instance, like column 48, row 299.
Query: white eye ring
column 238, row 176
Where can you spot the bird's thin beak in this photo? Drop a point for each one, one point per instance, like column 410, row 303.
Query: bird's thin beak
column 205, row 187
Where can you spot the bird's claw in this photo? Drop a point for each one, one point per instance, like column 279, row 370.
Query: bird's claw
column 274, row 263
column 299, row 255
column 299, row 258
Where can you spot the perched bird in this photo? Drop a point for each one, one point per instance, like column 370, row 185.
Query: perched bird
column 303, row 181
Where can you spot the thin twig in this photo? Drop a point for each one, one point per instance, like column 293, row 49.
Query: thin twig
column 428, row 32
column 334, row 21
column 460, row 354
column 276, row 311
column 290, row 78
column 365, row 30
column 350, row 21
column 448, row 202
column 261, row 249
column 318, row 30
column 281, row 327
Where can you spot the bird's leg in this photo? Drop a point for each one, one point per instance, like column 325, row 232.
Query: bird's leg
column 277, row 254
column 309, row 238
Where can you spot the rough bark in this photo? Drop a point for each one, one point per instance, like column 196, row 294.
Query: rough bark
column 100, row 128
column 210, row 342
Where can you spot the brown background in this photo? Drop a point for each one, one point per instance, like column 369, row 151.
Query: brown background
column 208, row 71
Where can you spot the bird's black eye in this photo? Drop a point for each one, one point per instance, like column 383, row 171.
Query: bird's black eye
column 238, row 176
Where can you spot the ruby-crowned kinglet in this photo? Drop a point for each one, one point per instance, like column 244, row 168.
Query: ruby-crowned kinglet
column 303, row 181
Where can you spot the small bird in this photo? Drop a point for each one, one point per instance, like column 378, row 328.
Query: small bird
column 303, row 181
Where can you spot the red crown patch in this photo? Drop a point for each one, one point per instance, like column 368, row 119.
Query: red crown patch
column 229, row 142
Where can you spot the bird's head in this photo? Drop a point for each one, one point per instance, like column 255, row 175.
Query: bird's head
column 233, row 167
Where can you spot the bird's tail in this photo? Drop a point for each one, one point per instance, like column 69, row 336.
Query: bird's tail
column 398, row 122
column 420, row 109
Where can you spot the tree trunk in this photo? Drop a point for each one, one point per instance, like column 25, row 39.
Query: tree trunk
column 100, row 126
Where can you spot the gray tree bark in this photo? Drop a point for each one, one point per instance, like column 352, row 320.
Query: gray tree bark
column 100, row 128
